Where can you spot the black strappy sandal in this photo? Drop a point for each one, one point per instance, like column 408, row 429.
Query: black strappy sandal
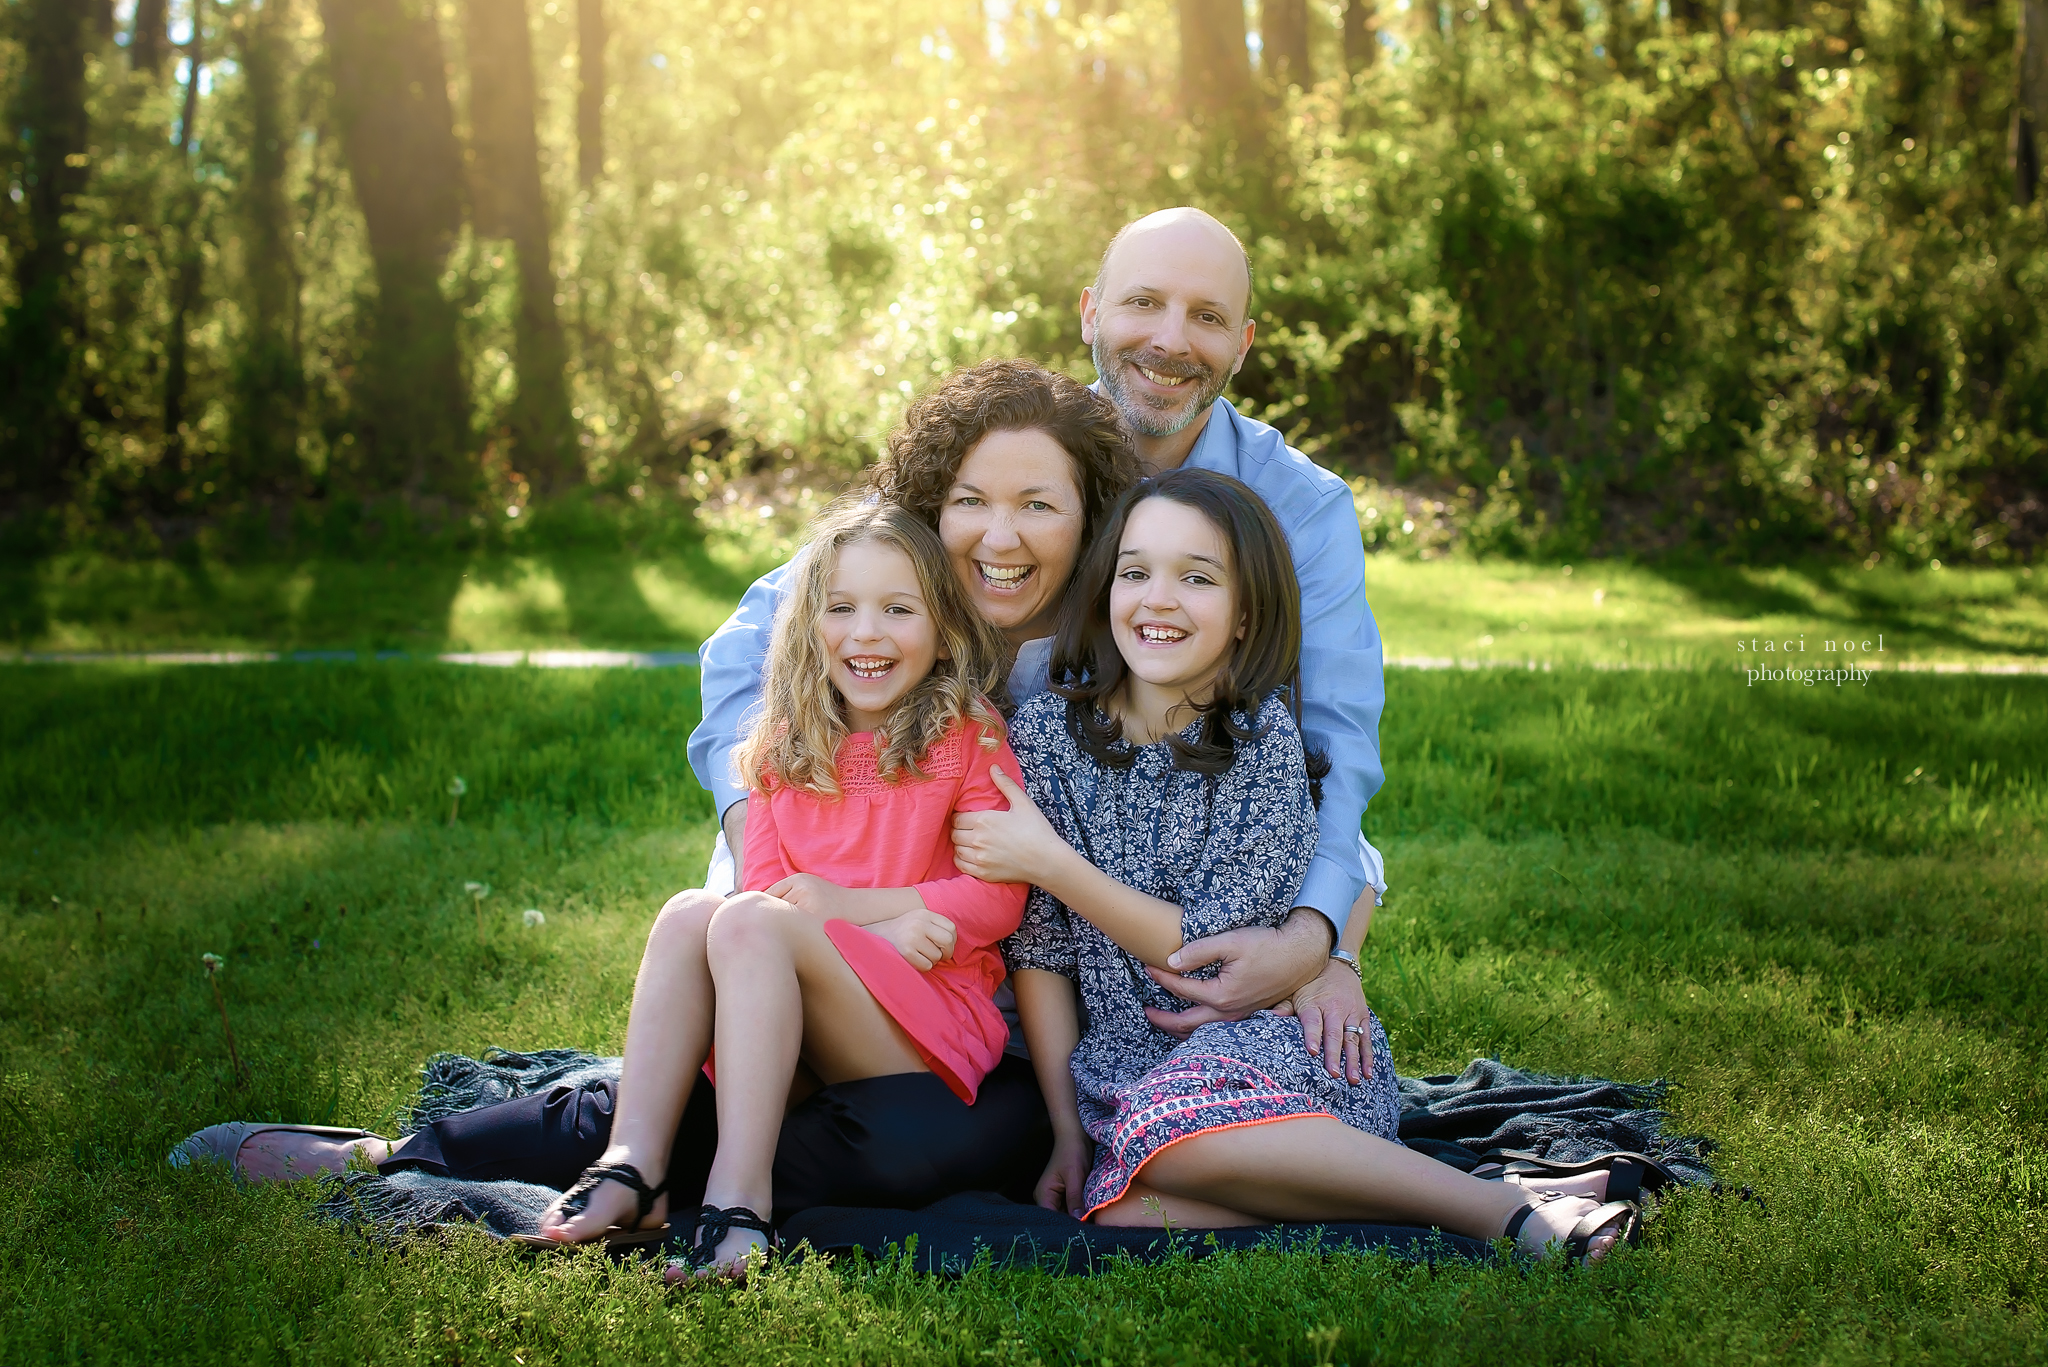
column 576, row 1200
column 1625, row 1216
column 714, row 1223
column 1630, row 1176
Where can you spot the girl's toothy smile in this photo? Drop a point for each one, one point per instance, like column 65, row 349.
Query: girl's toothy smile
column 869, row 666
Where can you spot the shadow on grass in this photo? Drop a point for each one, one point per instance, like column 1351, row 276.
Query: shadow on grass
column 402, row 605
column 1937, row 610
column 24, row 616
column 604, row 603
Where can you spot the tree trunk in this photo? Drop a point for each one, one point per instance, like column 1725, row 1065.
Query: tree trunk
column 2029, row 137
column 1693, row 16
column 1283, row 28
column 147, row 41
column 590, row 39
column 191, row 252
column 1361, row 37
column 40, row 451
column 1621, row 34
column 1215, row 69
column 269, row 383
column 510, row 203
column 398, row 135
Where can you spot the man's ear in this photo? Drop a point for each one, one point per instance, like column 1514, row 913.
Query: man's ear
column 1088, row 314
column 1244, row 346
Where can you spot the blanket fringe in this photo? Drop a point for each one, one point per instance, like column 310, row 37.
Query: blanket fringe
column 383, row 1209
column 451, row 1084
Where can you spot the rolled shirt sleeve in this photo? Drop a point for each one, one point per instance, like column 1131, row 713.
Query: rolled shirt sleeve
column 1343, row 691
column 730, row 666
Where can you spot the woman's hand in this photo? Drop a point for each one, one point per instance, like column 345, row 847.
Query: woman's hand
column 1066, row 1175
column 1016, row 846
column 922, row 937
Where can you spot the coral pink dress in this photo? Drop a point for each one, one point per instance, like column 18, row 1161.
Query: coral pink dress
column 898, row 835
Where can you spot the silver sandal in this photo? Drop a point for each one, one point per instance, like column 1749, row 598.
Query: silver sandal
column 1624, row 1218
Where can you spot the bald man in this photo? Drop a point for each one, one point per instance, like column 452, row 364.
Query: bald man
column 1168, row 318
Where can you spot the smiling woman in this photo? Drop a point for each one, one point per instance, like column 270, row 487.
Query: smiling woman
column 1012, row 526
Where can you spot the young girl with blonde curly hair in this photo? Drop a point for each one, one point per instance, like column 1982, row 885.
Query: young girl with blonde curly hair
column 855, row 947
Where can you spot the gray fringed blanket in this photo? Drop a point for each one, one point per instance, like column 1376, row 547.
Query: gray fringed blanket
column 1491, row 1106
column 1456, row 1120
column 408, row 1201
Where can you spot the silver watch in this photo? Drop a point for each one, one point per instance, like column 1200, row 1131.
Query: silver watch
column 1348, row 957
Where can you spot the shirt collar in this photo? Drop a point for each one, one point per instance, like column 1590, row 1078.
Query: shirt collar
column 1216, row 448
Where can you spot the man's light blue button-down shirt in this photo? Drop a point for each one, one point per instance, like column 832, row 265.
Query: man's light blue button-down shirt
column 1342, row 685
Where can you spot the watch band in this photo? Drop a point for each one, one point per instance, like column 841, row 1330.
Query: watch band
column 1346, row 956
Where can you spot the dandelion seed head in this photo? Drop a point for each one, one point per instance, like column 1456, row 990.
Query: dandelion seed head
column 533, row 917
column 477, row 890
column 456, row 787
column 212, row 962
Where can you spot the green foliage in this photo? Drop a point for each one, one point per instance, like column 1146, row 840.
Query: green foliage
column 1551, row 285
column 1764, row 289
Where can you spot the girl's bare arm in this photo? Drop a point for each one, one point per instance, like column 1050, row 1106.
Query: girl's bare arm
column 1020, row 846
column 827, row 900
column 1052, row 1027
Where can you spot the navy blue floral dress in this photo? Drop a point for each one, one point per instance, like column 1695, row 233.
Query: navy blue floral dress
column 1230, row 850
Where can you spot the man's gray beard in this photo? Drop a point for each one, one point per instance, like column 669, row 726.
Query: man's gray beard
column 1146, row 421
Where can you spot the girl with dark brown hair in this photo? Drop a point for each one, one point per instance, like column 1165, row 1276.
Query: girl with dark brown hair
column 1168, row 797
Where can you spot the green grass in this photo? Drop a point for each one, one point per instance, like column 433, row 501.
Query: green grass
column 1611, row 612
column 1820, row 912
column 426, row 602
column 1458, row 609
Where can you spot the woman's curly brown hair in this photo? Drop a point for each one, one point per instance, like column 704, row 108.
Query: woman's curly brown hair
column 941, row 427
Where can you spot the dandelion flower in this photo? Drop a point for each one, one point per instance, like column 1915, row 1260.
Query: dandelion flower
column 477, row 893
column 533, row 917
column 213, row 966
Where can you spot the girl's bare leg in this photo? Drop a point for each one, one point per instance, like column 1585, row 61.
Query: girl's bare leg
column 668, row 1036
column 787, row 994
column 1145, row 1207
column 1316, row 1168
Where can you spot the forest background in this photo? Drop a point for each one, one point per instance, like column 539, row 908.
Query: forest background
column 1548, row 277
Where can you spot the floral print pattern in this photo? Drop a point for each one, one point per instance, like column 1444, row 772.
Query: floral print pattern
column 1230, row 850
